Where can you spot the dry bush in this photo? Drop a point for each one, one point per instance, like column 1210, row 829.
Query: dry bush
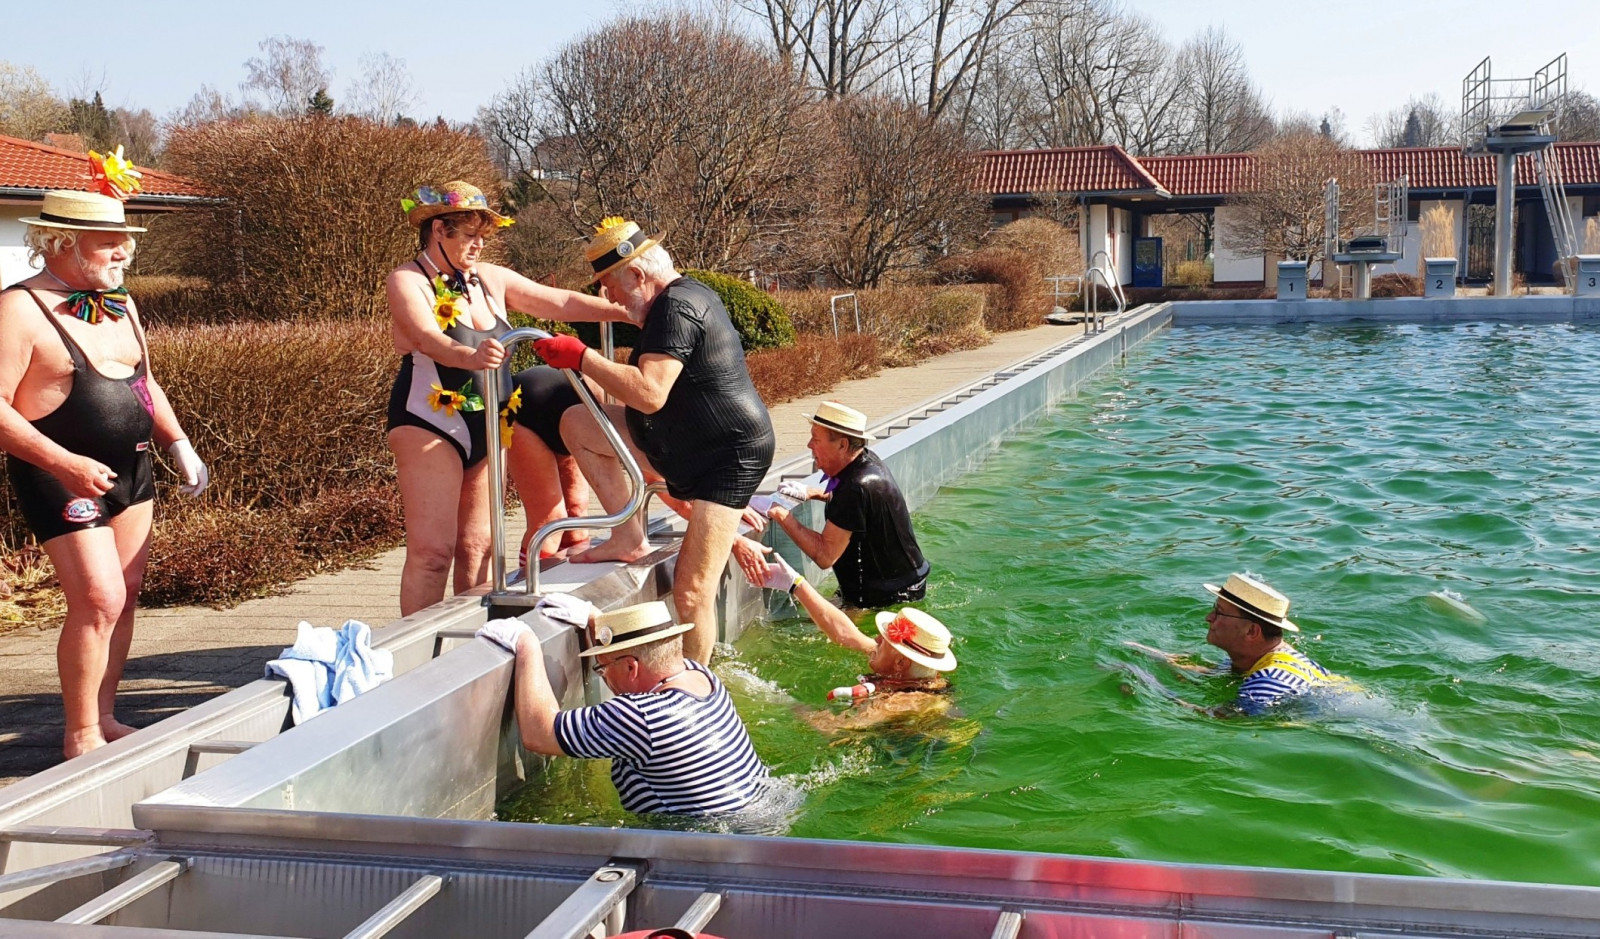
column 1281, row 214
column 1193, row 274
column 910, row 323
column 1396, row 285
column 313, row 220
column 812, row 365
column 1054, row 245
column 1591, row 236
column 1023, row 297
column 1438, row 227
column 180, row 300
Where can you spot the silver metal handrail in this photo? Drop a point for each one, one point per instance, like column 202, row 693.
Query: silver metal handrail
column 1092, row 308
column 833, row 308
column 1108, row 273
column 489, row 381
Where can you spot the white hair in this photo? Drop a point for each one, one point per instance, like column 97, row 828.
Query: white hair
column 45, row 242
column 660, row 655
column 918, row 670
column 654, row 264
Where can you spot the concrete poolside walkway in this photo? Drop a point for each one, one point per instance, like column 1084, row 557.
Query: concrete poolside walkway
column 182, row 656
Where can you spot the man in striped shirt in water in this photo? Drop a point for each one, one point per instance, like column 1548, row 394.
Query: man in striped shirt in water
column 1248, row 622
column 675, row 742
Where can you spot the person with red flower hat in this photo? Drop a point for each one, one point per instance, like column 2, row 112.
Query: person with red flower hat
column 906, row 663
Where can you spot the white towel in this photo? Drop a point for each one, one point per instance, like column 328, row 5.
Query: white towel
column 325, row 667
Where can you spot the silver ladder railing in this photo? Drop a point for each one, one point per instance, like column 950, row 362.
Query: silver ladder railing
column 489, row 381
column 1107, row 275
column 1559, row 211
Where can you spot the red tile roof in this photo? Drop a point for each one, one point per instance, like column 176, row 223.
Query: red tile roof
column 27, row 165
column 1108, row 169
column 1202, row 175
column 1066, row 169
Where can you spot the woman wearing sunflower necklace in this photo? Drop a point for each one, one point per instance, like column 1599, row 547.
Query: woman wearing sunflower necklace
column 447, row 311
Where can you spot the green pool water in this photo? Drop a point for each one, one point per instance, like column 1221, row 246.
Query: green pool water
column 1355, row 468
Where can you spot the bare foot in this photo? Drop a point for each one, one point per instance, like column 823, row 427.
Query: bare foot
column 614, row 549
column 114, row 729
column 84, row 740
column 573, row 541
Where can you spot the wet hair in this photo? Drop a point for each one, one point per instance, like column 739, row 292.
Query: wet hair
column 453, row 222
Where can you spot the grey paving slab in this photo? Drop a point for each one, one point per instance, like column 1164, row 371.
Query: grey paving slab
column 183, row 655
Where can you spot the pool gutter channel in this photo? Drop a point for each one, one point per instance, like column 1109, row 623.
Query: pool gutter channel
column 348, row 785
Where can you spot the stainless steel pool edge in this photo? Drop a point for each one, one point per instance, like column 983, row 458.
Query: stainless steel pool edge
column 1388, row 310
column 844, row 870
column 97, row 790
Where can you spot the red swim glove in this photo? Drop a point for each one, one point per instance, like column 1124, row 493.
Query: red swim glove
column 561, row 351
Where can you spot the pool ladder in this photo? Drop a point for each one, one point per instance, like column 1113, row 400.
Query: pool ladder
column 1107, row 275
column 488, row 381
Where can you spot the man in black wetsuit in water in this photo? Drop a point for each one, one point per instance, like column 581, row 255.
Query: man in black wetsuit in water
column 867, row 537
column 691, row 412
column 79, row 408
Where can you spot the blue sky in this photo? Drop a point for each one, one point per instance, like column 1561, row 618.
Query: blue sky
column 461, row 54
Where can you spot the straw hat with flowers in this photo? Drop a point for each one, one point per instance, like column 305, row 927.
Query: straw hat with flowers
column 616, row 241
column 455, row 196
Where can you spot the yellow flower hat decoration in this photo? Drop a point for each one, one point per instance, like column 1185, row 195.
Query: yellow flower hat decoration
column 113, row 174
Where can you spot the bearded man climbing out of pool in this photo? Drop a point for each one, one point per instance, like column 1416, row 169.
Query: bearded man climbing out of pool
column 692, row 416
column 1248, row 621
column 906, row 663
column 79, row 408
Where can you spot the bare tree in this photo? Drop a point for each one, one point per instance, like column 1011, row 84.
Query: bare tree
column 1102, row 75
column 838, row 47
column 1580, row 116
column 29, row 109
column 385, row 90
column 287, row 74
column 948, row 46
column 140, row 133
column 1283, row 213
column 1421, row 122
column 677, row 122
column 900, row 194
column 208, row 104
column 1225, row 108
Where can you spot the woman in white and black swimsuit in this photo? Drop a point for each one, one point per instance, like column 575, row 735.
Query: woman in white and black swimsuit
column 446, row 312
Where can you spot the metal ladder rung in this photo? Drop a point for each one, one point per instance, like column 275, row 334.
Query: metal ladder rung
column 598, row 899
column 1009, row 925
column 50, row 873
column 395, row 911
column 191, row 762
column 700, row 912
column 124, row 893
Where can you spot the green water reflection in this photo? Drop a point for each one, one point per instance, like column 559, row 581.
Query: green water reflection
column 1357, row 469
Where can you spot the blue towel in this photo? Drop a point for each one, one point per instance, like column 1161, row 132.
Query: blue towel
column 325, row 667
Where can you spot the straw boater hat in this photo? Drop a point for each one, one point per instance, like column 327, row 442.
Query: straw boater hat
column 919, row 637
column 632, row 626
column 616, row 240
column 840, row 419
column 1256, row 599
column 455, row 196
column 86, row 211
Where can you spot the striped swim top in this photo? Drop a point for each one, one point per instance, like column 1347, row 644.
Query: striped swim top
column 1282, row 673
column 670, row 751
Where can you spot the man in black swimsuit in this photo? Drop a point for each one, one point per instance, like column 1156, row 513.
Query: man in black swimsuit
column 78, row 410
column 867, row 537
column 692, row 414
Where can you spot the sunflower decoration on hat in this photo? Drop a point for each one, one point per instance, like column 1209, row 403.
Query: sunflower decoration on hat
column 113, row 175
column 616, row 241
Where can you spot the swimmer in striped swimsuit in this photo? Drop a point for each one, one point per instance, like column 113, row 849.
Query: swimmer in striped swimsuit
column 1248, row 622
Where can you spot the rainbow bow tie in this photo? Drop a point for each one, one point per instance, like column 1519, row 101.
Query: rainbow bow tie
column 92, row 306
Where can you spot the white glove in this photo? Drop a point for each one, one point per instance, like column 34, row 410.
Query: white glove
column 566, row 608
column 794, row 489
column 195, row 475
column 780, row 576
column 505, row 633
